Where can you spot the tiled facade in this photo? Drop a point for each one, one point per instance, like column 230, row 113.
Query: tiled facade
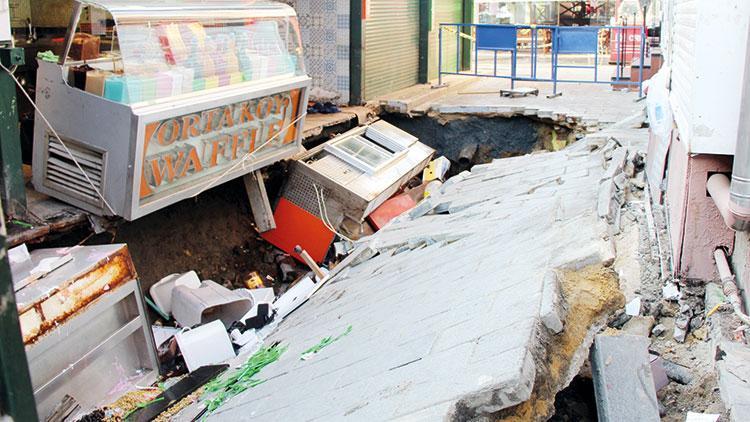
column 325, row 37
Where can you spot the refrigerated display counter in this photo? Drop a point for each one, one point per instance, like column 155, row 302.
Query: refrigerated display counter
column 154, row 102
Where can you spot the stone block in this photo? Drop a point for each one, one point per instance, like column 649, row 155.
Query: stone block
column 623, row 381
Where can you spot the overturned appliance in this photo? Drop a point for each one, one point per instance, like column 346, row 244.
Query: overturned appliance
column 83, row 323
column 353, row 174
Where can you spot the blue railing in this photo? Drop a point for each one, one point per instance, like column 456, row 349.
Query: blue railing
column 624, row 45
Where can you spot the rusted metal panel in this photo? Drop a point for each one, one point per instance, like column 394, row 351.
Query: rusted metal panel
column 71, row 297
column 83, row 322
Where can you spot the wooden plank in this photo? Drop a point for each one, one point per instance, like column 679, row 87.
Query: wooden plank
column 256, row 193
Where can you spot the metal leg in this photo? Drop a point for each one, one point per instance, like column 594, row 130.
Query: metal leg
column 513, row 70
column 12, row 183
column 554, row 63
column 596, row 62
column 640, row 69
column 617, row 54
column 554, row 74
column 534, row 51
column 440, row 57
column 476, row 58
column 495, row 64
column 458, row 49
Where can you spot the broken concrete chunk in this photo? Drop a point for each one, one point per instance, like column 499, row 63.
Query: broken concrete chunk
column 623, row 381
column 680, row 334
column 551, row 310
column 606, row 204
column 633, row 308
column 639, row 325
column 616, row 164
column 620, row 181
column 658, row 330
column 423, row 208
column 677, row 373
column 609, row 148
column 670, row 291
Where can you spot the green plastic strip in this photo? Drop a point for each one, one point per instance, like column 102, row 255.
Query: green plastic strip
column 224, row 388
column 307, row 354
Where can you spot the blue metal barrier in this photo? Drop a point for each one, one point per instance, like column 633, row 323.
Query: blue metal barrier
column 565, row 40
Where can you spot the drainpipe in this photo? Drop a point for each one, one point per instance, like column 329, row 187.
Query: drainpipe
column 733, row 199
column 729, row 286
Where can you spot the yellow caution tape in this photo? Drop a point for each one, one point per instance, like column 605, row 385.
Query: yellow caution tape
column 460, row 34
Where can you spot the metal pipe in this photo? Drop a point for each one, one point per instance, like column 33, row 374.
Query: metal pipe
column 70, row 35
column 739, row 190
column 718, row 187
column 729, row 286
column 733, row 198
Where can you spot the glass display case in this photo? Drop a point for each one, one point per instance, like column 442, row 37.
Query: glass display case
column 158, row 101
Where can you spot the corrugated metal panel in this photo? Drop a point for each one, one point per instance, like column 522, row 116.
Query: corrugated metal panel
column 391, row 46
column 666, row 31
column 683, row 26
column 444, row 11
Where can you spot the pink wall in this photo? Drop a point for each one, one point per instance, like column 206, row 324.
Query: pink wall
column 696, row 227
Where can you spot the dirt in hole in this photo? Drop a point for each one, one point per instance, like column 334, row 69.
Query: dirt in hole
column 591, row 295
column 494, row 137
column 576, row 402
column 213, row 234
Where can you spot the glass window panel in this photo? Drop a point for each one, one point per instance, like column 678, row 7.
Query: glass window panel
column 168, row 51
column 365, row 151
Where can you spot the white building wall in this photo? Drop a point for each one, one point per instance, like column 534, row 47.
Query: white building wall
column 705, row 48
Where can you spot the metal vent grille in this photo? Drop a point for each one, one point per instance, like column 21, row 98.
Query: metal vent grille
column 62, row 174
column 299, row 190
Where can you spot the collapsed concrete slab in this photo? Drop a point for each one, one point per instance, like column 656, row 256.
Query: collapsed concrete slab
column 457, row 314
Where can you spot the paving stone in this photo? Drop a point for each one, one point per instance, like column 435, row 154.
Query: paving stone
column 734, row 379
column 623, row 381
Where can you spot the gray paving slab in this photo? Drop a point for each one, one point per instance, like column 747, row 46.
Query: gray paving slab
column 623, row 381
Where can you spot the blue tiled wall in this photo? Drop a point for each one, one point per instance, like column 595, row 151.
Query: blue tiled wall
column 325, row 35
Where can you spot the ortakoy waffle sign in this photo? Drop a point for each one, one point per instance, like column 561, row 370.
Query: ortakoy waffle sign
column 199, row 146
